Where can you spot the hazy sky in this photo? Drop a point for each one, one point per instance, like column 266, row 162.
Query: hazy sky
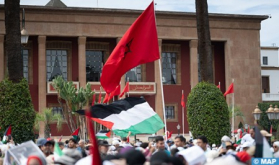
column 269, row 30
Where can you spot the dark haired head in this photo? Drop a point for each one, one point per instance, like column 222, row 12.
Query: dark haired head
column 67, row 141
column 181, row 138
column 60, row 143
column 203, row 138
column 159, row 138
column 73, row 140
column 124, row 139
column 144, row 145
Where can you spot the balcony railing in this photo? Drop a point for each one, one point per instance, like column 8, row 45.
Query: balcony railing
column 270, row 97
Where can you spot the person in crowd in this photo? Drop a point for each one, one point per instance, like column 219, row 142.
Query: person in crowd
column 245, row 146
column 49, row 149
column 124, row 142
column 179, row 142
column 81, row 148
column 61, row 145
column 72, row 144
column 276, row 149
column 252, row 132
column 160, row 145
column 202, row 142
column 214, row 147
column 41, row 144
column 103, row 146
column 66, row 143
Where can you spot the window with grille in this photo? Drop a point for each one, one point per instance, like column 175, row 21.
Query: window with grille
column 170, row 112
column 57, row 110
column 169, row 67
column 94, row 64
column 56, row 61
column 134, row 74
column 265, row 61
column 25, row 55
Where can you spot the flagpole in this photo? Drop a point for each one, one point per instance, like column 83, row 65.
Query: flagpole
column 162, row 90
column 183, row 115
column 233, row 108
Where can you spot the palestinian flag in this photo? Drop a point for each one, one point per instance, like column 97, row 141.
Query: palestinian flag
column 75, row 134
column 262, row 146
column 7, row 133
column 103, row 134
column 129, row 114
column 57, row 151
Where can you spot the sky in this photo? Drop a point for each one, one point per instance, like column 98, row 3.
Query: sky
column 269, row 27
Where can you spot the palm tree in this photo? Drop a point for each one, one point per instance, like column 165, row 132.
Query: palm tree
column 13, row 45
column 47, row 117
column 204, row 43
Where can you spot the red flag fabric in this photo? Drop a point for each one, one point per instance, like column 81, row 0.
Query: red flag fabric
column 128, row 139
column 218, row 86
column 93, row 99
column 106, row 98
column 115, row 92
column 125, row 90
column 60, row 138
column 182, row 101
column 75, row 133
column 230, row 90
column 241, row 134
column 96, row 159
column 139, row 45
column 108, row 134
column 169, row 135
column 270, row 131
column 8, row 131
column 100, row 97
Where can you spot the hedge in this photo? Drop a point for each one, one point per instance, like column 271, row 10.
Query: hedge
column 16, row 109
column 207, row 112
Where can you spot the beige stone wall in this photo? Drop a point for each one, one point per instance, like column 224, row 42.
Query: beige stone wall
column 240, row 34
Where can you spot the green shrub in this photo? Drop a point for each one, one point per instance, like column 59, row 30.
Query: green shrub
column 16, row 109
column 264, row 122
column 207, row 113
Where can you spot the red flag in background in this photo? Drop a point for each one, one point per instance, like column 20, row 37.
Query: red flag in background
column 230, row 90
column 139, row 45
column 96, row 160
column 270, row 131
column 106, row 98
column 125, row 90
column 182, row 100
column 60, row 138
column 169, row 135
column 75, row 133
column 100, row 97
column 115, row 92
column 93, row 99
column 218, row 86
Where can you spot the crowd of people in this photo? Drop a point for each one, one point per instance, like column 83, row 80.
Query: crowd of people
column 175, row 151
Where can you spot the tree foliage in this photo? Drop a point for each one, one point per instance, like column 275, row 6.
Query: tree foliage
column 74, row 99
column 207, row 112
column 16, row 109
column 47, row 117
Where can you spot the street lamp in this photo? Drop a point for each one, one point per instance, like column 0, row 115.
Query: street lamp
column 276, row 111
column 257, row 113
column 24, row 34
column 270, row 113
column 178, row 128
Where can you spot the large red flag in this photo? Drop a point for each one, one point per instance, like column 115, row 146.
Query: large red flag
column 96, row 160
column 93, row 99
column 125, row 90
column 182, row 100
column 139, row 45
column 115, row 92
column 230, row 90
